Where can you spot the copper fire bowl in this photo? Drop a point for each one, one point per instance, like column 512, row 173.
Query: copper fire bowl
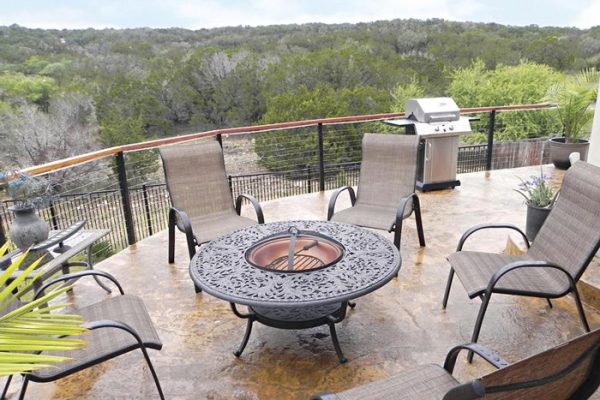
column 311, row 251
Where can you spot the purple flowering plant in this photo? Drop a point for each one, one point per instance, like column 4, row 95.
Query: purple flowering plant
column 536, row 191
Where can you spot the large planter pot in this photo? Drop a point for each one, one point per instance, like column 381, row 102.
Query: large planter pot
column 560, row 150
column 27, row 228
column 535, row 219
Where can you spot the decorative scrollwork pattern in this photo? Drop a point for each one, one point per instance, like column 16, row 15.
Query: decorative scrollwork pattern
column 220, row 268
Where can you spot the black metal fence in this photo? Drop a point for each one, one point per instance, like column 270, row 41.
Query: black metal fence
column 268, row 165
column 473, row 158
column 269, row 186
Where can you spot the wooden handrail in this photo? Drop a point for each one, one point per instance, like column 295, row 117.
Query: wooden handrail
column 95, row 155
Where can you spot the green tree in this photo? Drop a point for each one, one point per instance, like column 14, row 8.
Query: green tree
column 228, row 88
column 526, row 83
column 558, row 53
column 402, row 93
column 341, row 144
column 16, row 87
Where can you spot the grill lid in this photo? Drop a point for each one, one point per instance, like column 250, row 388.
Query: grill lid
column 433, row 117
column 434, row 109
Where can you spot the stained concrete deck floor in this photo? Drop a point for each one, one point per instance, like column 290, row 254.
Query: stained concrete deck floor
column 394, row 328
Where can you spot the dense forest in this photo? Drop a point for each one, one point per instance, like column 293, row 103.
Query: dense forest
column 64, row 92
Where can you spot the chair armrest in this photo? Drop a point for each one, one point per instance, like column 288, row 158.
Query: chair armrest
column 401, row 208
column 525, row 264
column 259, row 212
column 108, row 323
column 490, row 356
column 325, row 396
column 476, row 228
column 76, row 275
column 186, row 224
column 333, row 199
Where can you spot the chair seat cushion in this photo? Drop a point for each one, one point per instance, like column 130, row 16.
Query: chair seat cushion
column 475, row 269
column 207, row 228
column 425, row 382
column 105, row 343
column 371, row 216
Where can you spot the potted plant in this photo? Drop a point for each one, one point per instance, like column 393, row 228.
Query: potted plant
column 539, row 198
column 573, row 98
column 28, row 194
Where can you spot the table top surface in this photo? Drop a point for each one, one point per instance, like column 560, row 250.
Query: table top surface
column 77, row 243
column 369, row 262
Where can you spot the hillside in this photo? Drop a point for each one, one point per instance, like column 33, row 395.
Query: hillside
column 106, row 87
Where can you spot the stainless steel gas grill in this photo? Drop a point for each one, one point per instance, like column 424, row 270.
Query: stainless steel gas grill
column 438, row 123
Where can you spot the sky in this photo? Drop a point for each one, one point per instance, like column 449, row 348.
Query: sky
column 198, row 14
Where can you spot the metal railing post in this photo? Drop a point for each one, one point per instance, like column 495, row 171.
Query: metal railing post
column 309, row 178
column 53, row 216
column 147, row 207
column 321, row 159
column 125, row 199
column 490, row 140
column 2, row 233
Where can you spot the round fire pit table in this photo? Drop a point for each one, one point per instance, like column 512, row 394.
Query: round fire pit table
column 253, row 267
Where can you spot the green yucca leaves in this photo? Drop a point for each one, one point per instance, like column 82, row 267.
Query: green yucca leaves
column 574, row 98
column 32, row 328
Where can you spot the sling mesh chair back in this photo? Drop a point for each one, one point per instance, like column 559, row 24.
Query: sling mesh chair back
column 551, row 267
column 571, row 234
column 202, row 204
column 386, row 188
column 568, row 372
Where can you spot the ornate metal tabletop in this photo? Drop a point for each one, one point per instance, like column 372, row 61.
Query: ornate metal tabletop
column 220, row 268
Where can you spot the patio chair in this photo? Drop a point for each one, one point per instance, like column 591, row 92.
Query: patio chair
column 117, row 326
column 202, row 204
column 568, row 371
column 386, row 188
column 552, row 265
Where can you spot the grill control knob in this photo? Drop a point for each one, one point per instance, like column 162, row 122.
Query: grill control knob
column 437, row 128
column 451, row 127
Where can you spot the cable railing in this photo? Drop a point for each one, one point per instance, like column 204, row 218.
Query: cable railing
column 123, row 189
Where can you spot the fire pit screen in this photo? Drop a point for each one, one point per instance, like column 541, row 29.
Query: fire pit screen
column 295, row 251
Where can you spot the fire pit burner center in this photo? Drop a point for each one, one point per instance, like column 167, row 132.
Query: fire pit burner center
column 295, row 251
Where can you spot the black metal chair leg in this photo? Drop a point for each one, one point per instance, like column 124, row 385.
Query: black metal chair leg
column 398, row 233
column 197, row 289
column 417, row 209
column 549, row 303
column 336, row 343
column 6, row 386
column 477, row 329
column 584, row 321
column 23, row 387
column 351, row 304
column 448, row 285
column 171, row 237
column 191, row 246
column 156, row 382
column 239, row 351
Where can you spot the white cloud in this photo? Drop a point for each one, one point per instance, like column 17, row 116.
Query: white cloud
column 57, row 18
column 213, row 13
column 589, row 16
column 196, row 14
